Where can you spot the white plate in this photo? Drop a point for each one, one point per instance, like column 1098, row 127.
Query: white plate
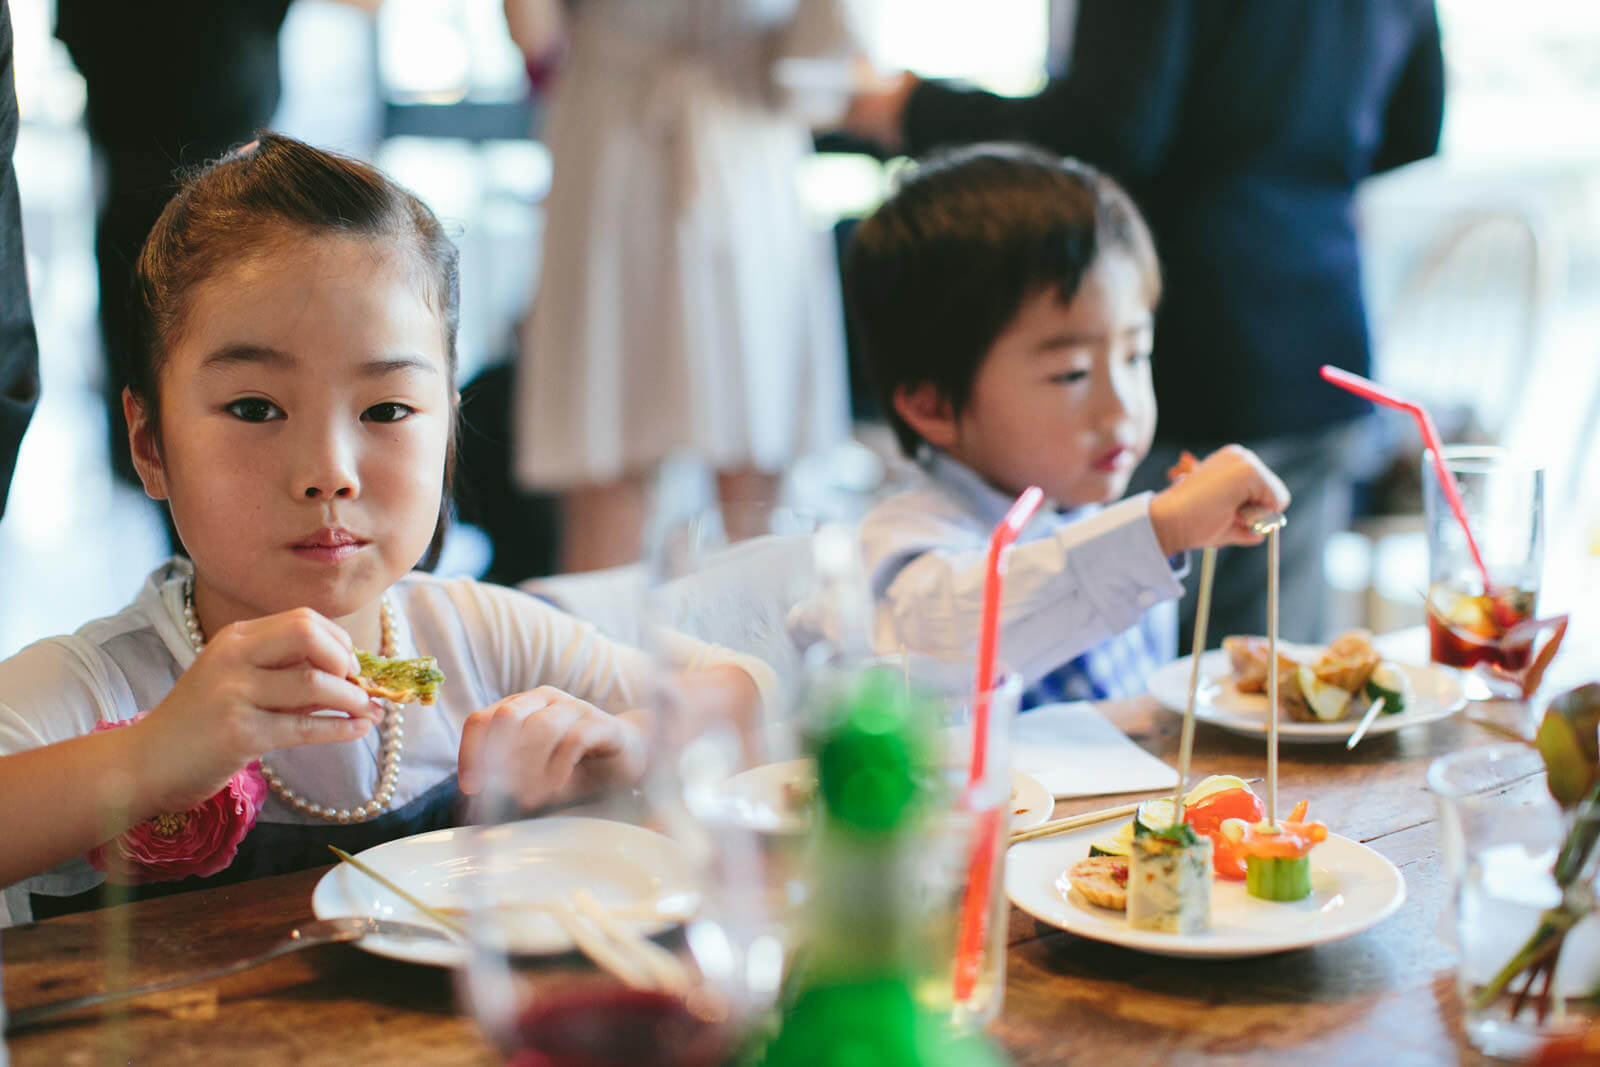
column 758, row 798
column 624, row 866
column 1437, row 695
column 1352, row 888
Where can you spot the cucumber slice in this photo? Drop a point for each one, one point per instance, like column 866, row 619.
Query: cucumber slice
column 1157, row 814
column 1278, row 879
column 1327, row 702
column 1119, row 844
column 1392, row 684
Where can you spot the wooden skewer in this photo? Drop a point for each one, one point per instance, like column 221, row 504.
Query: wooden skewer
column 1075, row 822
column 665, row 968
column 1272, row 677
column 594, row 945
column 1087, row 818
column 636, row 912
column 1366, row 721
column 449, row 922
column 1208, row 569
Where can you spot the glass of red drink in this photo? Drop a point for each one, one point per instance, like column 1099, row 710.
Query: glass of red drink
column 1487, row 630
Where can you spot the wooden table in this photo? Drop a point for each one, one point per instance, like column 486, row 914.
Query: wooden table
column 1384, row 996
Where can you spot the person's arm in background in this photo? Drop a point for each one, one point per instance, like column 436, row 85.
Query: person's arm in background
column 1414, row 114
column 19, row 348
column 1117, row 106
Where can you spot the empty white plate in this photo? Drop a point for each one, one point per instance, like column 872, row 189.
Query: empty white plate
column 522, row 865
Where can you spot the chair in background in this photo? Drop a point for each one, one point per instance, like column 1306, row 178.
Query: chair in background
column 1463, row 335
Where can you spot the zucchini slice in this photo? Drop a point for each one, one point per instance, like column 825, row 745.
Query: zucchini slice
column 1327, row 702
column 1393, row 685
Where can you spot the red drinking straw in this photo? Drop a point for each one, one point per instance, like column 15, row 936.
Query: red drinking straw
column 1430, row 439
column 970, row 936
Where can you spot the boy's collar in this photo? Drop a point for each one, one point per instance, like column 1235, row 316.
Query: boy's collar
column 983, row 500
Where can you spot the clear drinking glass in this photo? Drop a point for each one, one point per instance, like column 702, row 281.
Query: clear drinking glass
column 1502, row 831
column 1469, row 626
column 968, row 841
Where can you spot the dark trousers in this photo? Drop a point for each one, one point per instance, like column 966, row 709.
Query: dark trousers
column 1318, row 470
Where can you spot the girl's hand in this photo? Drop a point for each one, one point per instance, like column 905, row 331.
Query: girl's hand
column 1202, row 508
column 251, row 690
column 551, row 745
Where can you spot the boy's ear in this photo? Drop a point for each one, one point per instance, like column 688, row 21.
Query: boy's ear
column 927, row 410
column 146, row 453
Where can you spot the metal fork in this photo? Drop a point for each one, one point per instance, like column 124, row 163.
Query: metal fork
column 307, row 935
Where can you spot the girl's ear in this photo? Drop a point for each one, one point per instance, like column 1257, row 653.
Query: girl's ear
column 146, row 452
column 927, row 410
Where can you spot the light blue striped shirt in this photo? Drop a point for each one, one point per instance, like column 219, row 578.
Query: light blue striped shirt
column 1090, row 602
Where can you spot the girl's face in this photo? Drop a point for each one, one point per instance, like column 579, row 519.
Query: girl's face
column 305, row 412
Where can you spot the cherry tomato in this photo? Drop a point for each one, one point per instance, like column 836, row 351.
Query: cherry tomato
column 1206, row 815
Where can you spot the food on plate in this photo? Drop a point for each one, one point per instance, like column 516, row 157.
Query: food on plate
column 1103, row 881
column 1248, row 657
column 1169, row 881
column 1213, row 799
column 1277, row 857
column 799, row 794
column 1341, row 682
column 400, row 680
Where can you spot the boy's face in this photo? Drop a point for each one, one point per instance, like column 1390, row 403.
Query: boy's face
column 1063, row 399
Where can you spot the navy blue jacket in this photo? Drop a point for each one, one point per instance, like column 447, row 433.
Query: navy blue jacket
column 1241, row 127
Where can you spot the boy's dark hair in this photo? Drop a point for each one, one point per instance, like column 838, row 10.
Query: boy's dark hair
column 250, row 198
column 938, row 271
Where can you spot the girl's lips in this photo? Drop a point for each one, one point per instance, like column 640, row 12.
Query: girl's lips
column 328, row 553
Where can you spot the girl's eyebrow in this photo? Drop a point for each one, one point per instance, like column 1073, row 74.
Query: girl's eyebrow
column 376, row 368
column 234, row 355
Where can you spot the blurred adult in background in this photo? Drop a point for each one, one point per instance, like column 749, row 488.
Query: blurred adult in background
column 19, row 349
column 686, row 303
column 1242, row 128
column 171, row 84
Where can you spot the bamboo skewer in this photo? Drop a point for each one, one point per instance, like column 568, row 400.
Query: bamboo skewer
column 1272, row 677
column 1366, row 721
column 592, row 943
column 1074, row 822
column 1070, row 823
column 1208, row 569
column 449, row 922
column 665, row 968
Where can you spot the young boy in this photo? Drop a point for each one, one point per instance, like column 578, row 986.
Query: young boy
column 1004, row 299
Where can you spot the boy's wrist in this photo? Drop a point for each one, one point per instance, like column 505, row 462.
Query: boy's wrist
column 1166, row 520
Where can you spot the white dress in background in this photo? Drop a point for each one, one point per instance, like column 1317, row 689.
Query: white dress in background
column 686, row 301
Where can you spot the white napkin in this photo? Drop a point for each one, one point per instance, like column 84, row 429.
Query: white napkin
column 1074, row 751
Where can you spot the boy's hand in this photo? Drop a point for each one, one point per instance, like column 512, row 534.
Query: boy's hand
column 551, row 745
column 1202, row 508
column 251, row 690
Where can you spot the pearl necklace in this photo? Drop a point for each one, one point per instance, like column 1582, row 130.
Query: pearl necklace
column 390, row 731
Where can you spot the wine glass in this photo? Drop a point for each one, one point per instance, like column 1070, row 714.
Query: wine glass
column 664, row 857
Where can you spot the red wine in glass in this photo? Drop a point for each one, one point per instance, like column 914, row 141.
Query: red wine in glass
column 615, row 1027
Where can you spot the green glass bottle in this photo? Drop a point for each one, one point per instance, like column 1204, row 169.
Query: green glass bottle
column 850, row 999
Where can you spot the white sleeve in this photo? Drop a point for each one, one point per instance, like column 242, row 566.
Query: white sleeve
column 56, row 690
column 526, row 643
column 1063, row 594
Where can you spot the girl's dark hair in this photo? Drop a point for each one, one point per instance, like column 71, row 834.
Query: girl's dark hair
column 253, row 195
column 935, row 274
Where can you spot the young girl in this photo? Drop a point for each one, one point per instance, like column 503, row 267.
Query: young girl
column 293, row 401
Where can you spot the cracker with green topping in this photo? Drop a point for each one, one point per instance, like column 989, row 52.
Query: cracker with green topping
column 400, row 680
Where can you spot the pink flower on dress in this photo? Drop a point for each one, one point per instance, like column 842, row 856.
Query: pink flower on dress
column 201, row 841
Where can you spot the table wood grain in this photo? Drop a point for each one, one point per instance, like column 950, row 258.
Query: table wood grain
column 1386, row 995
